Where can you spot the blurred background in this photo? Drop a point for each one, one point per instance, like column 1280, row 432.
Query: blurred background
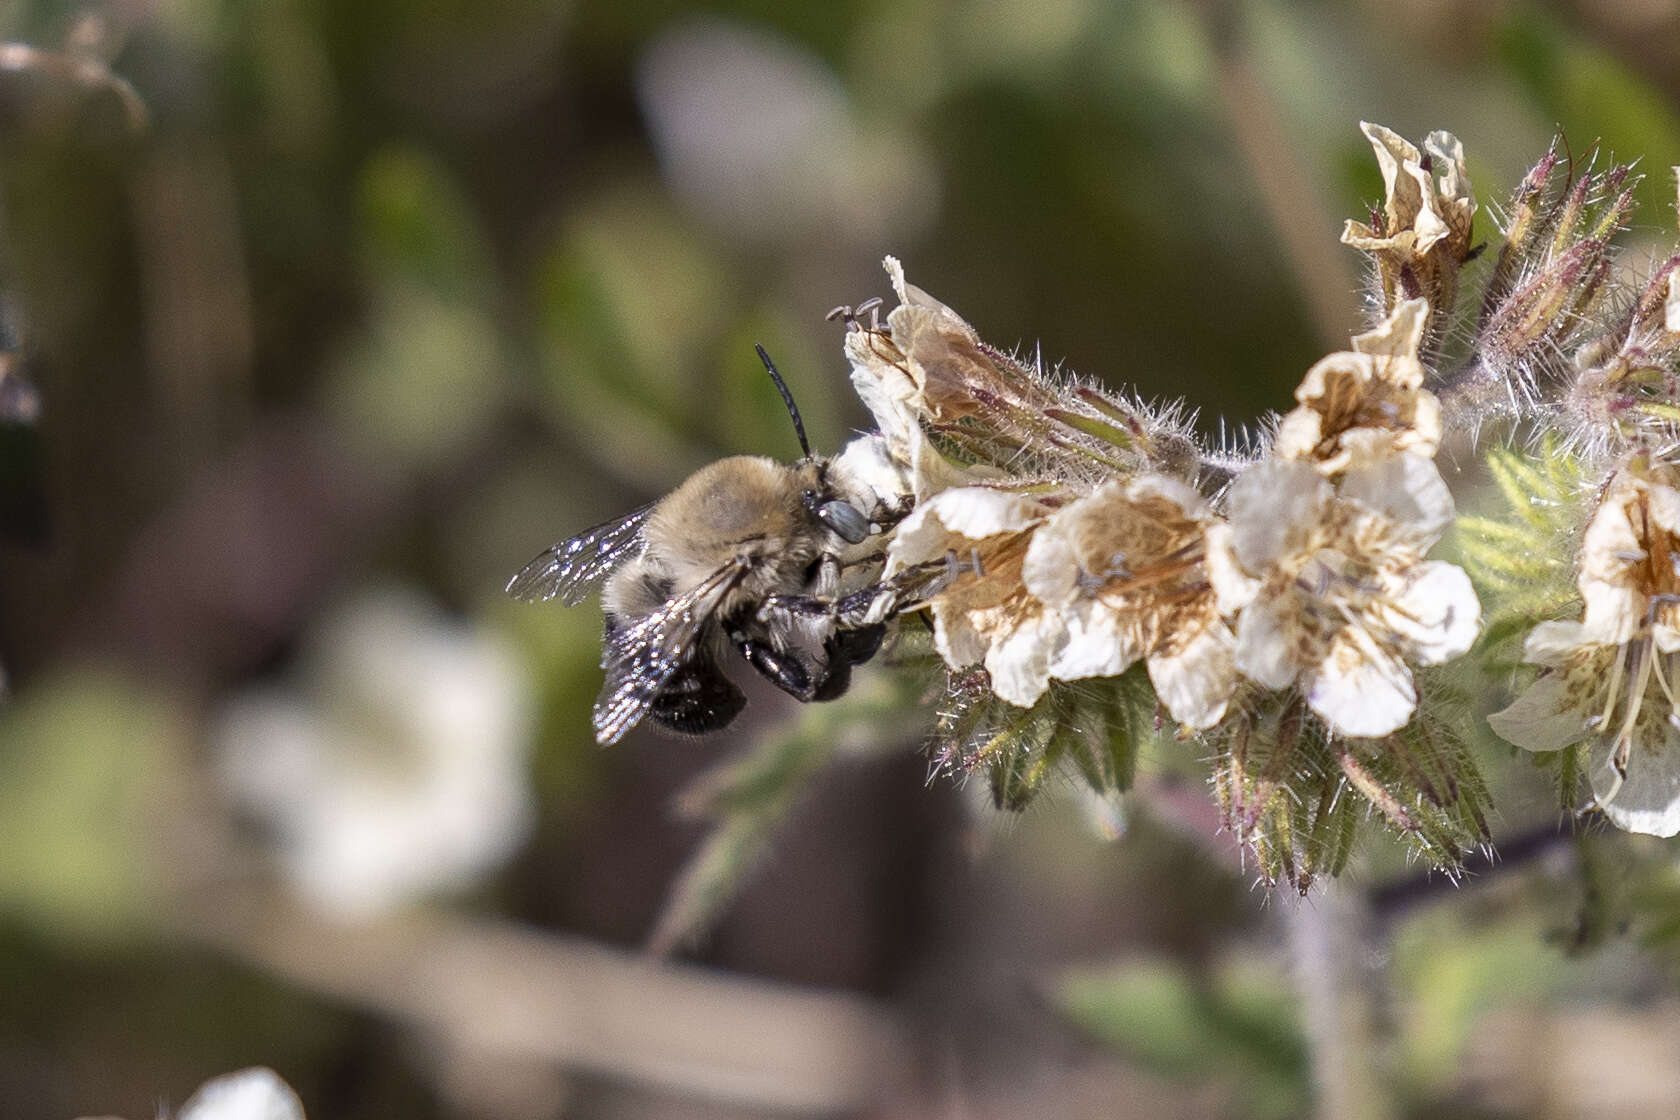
column 319, row 319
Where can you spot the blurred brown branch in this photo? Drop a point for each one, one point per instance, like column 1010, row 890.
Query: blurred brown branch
column 517, row 994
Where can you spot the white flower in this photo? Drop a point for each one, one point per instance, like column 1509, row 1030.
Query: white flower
column 1624, row 651
column 809, row 166
column 1121, row 571
column 985, row 616
column 399, row 769
column 1048, row 587
column 1336, row 596
column 250, row 1094
column 1359, row 406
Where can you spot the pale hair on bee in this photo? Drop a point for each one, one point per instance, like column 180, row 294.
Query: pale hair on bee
column 775, row 560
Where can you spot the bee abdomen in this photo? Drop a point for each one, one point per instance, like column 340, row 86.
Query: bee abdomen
column 698, row 699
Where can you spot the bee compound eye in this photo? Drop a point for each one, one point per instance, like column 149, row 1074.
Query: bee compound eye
column 844, row 519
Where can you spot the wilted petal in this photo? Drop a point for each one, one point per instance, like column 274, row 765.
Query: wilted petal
column 1398, row 336
column 1404, row 186
column 911, row 296
column 1454, row 198
column 1360, row 690
column 1363, row 404
column 1546, row 717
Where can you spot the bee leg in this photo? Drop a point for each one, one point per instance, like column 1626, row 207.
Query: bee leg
column 697, row 699
column 786, row 671
column 858, row 645
column 846, row 648
column 835, row 681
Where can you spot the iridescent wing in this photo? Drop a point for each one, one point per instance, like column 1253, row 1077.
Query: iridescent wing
column 642, row 659
column 571, row 569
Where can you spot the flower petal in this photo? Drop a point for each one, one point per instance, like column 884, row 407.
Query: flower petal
column 1093, row 643
column 1554, row 643
column 251, row 1094
column 1196, row 681
column 1272, row 507
column 1050, row 569
column 1406, row 487
column 954, row 635
column 971, row 513
column 1543, row 718
column 1648, row 799
column 1266, row 642
column 1233, row 588
column 1437, row 613
column 1019, row 661
column 1360, row 690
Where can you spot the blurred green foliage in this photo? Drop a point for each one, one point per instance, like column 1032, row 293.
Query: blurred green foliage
column 458, row 260
column 1230, row 1024
column 88, row 758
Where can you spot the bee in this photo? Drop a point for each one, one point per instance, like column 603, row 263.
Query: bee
column 748, row 553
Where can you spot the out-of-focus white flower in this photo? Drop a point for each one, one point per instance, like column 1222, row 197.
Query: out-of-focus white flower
column 1334, row 590
column 1362, row 405
column 1122, row 574
column 398, row 768
column 758, row 134
column 1623, row 652
column 250, row 1094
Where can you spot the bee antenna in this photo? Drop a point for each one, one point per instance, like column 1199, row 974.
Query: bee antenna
column 787, row 398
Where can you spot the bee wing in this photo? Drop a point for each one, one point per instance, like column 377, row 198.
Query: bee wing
column 641, row 659
column 571, row 569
